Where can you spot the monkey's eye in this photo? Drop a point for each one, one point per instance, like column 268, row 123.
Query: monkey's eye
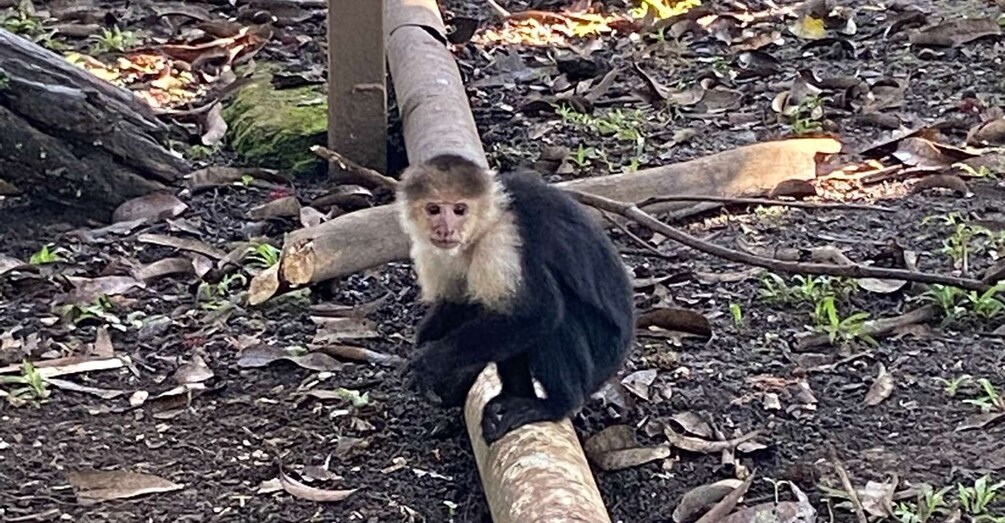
column 432, row 209
column 460, row 209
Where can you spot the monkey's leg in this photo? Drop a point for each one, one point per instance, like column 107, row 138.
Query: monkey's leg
column 507, row 412
column 515, row 376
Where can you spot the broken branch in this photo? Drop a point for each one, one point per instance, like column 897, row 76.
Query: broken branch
column 847, row 271
column 763, row 201
column 365, row 173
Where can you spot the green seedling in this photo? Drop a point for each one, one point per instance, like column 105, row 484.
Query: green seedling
column 113, row 40
column 947, row 298
column 451, row 509
column 583, row 156
column 48, row 254
column 928, row 504
column 808, row 116
column 980, row 172
column 961, row 245
column 737, row 313
column 353, row 397
column 991, row 399
column 775, row 290
column 975, row 500
column 845, row 330
column 952, row 386
column 263, row 256
column 214, row 295
column 23, row 23
column 99, row 311
column 986, row 305
column 33, row 384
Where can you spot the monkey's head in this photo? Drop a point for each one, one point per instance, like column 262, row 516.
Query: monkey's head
column 446, row 202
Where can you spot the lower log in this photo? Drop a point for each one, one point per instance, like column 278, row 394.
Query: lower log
column 372, row 237
column 534, row 474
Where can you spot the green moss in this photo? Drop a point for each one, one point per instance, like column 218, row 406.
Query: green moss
column 275, row 128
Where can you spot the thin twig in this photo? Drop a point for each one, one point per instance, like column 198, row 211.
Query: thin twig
column 646, row 245
column 846, row 483
column 847, row 271
column 355, row 168
column 763, row 201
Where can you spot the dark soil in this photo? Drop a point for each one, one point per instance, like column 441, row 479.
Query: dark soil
column 412, row 460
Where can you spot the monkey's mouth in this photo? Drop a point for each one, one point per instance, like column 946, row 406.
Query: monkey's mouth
column 444, row 244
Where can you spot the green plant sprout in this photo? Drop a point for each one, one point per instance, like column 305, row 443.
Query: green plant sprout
column 737, row 313
column 48, row 254
column 263, row 255
column 213, row 296
column 928, row 504
column 33, row 383
column 100, row 311
column 990, row 401
column 846, row 330
column 986, row 305
column 583, row 156
column 975, row 500
column 947, row 298
column 808, row 116
column 113, row 40
column 952, row 386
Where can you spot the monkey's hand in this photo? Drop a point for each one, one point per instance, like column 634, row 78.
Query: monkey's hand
column 422, row 374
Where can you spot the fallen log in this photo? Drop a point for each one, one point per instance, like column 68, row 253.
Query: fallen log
column 72, row 138
column 372, row 237
column 535, row 474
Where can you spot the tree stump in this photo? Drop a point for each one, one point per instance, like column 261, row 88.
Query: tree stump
column 74, row 139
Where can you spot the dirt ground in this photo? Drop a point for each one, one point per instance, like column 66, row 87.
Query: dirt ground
column 225, row 440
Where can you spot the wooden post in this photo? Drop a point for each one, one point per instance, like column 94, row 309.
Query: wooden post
column 357, row 96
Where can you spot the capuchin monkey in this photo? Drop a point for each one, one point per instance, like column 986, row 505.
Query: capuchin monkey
column 517, row 273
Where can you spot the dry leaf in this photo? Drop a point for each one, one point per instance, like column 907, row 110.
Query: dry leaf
column 616, row 448
column 103, row 344
column 164, row 267
column 677, row 319
column 106, row 394
column 706, row 447
column 299, row 490
column 94, row 486
column 263, row 355
column 278, row 208
column 87, row 290
column 215, row 126
column 881, row 388
column 185, row 244
column 956, row 32
column 693, row 423
column 264, row 285
column 638, row 382
column 150, row 208
column 703, row 498
column 194, row 371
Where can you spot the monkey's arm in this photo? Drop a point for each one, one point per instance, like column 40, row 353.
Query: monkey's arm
column 491, row 336
column 442, row 317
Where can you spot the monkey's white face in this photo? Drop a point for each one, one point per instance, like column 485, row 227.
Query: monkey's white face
column 446, row 223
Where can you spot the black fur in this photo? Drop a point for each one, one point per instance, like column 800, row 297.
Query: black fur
column 571, row 327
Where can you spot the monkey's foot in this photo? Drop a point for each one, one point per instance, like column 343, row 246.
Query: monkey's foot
column 504, row 414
